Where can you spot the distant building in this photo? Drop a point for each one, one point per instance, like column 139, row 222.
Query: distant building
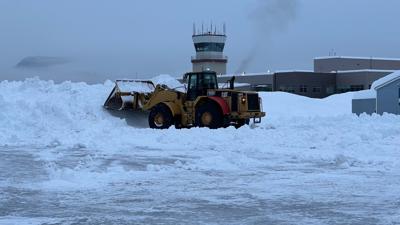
column 357, row 80
column 209, row 45
column 383, row 97
column 306, row 83
column 345, row 63
column 342, row 75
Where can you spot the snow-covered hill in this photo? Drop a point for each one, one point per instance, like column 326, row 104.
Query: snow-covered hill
column 309, row 160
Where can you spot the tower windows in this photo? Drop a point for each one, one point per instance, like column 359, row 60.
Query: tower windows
column 209, row 47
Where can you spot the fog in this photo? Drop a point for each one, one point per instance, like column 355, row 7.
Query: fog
column 98, row 39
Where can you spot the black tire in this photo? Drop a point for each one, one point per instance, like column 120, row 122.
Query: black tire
column 209, row 110
column 160, row 117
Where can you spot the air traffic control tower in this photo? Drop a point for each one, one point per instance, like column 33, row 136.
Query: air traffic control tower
column 209, row 44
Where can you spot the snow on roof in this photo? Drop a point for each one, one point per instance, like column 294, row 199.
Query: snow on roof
column 226, row 85
column 246, row 74
column 385, row 80
column 365, row 70
column 294, row 71
column 365, row 94
column 354, row 57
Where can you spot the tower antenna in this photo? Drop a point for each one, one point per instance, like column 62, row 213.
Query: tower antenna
column 224, row 29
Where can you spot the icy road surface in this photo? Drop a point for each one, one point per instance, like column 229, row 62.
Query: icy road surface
column 63, row 160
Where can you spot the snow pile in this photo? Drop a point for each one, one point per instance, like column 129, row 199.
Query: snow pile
column 365, row 94
column 282, row 104
column 37, row 111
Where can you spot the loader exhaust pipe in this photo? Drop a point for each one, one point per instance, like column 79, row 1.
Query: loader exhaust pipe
column 232, row 83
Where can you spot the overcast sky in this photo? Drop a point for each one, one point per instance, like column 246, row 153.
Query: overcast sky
column 128, row 38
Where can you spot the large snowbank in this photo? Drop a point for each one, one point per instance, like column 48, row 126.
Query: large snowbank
column 58, row 146
column 36, row 111
column 282, row 104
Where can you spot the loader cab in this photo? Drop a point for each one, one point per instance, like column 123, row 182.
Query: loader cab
column 199, row 83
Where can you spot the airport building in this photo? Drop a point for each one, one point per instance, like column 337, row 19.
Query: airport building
column 331, row 75
column 337, row 78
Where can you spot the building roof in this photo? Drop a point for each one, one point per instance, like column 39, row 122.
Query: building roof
column 386, row 80
column 355, row 57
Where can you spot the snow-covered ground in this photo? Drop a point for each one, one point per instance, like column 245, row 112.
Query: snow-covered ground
column 63, row 159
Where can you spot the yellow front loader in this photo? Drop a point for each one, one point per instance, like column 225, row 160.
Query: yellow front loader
column 202, row 104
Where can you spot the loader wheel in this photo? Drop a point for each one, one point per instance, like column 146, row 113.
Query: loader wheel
column 160, row 117
column 209, row 115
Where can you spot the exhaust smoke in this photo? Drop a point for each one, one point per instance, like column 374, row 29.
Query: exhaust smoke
column 268, row 17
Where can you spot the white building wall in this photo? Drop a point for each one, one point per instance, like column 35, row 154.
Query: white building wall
column 219, row 68
column 388, row 100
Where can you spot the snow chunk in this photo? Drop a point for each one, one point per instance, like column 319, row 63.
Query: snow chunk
column 135, row 86
column 169, row 81
column 386, row 79
column 365, row 94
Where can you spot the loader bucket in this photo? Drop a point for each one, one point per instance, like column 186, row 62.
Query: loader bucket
column 126, row 94
column 114, row 101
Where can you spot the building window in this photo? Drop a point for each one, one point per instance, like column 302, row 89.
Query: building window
column 303, row 88
column 330, row 90
column 356, row 87
column 291, row 89
column 343, row 89
column 316, row 89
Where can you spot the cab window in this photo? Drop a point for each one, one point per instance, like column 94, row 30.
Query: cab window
column 192, row 81
column 209, row 81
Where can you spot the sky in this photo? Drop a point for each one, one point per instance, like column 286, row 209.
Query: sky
column 104, row 39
